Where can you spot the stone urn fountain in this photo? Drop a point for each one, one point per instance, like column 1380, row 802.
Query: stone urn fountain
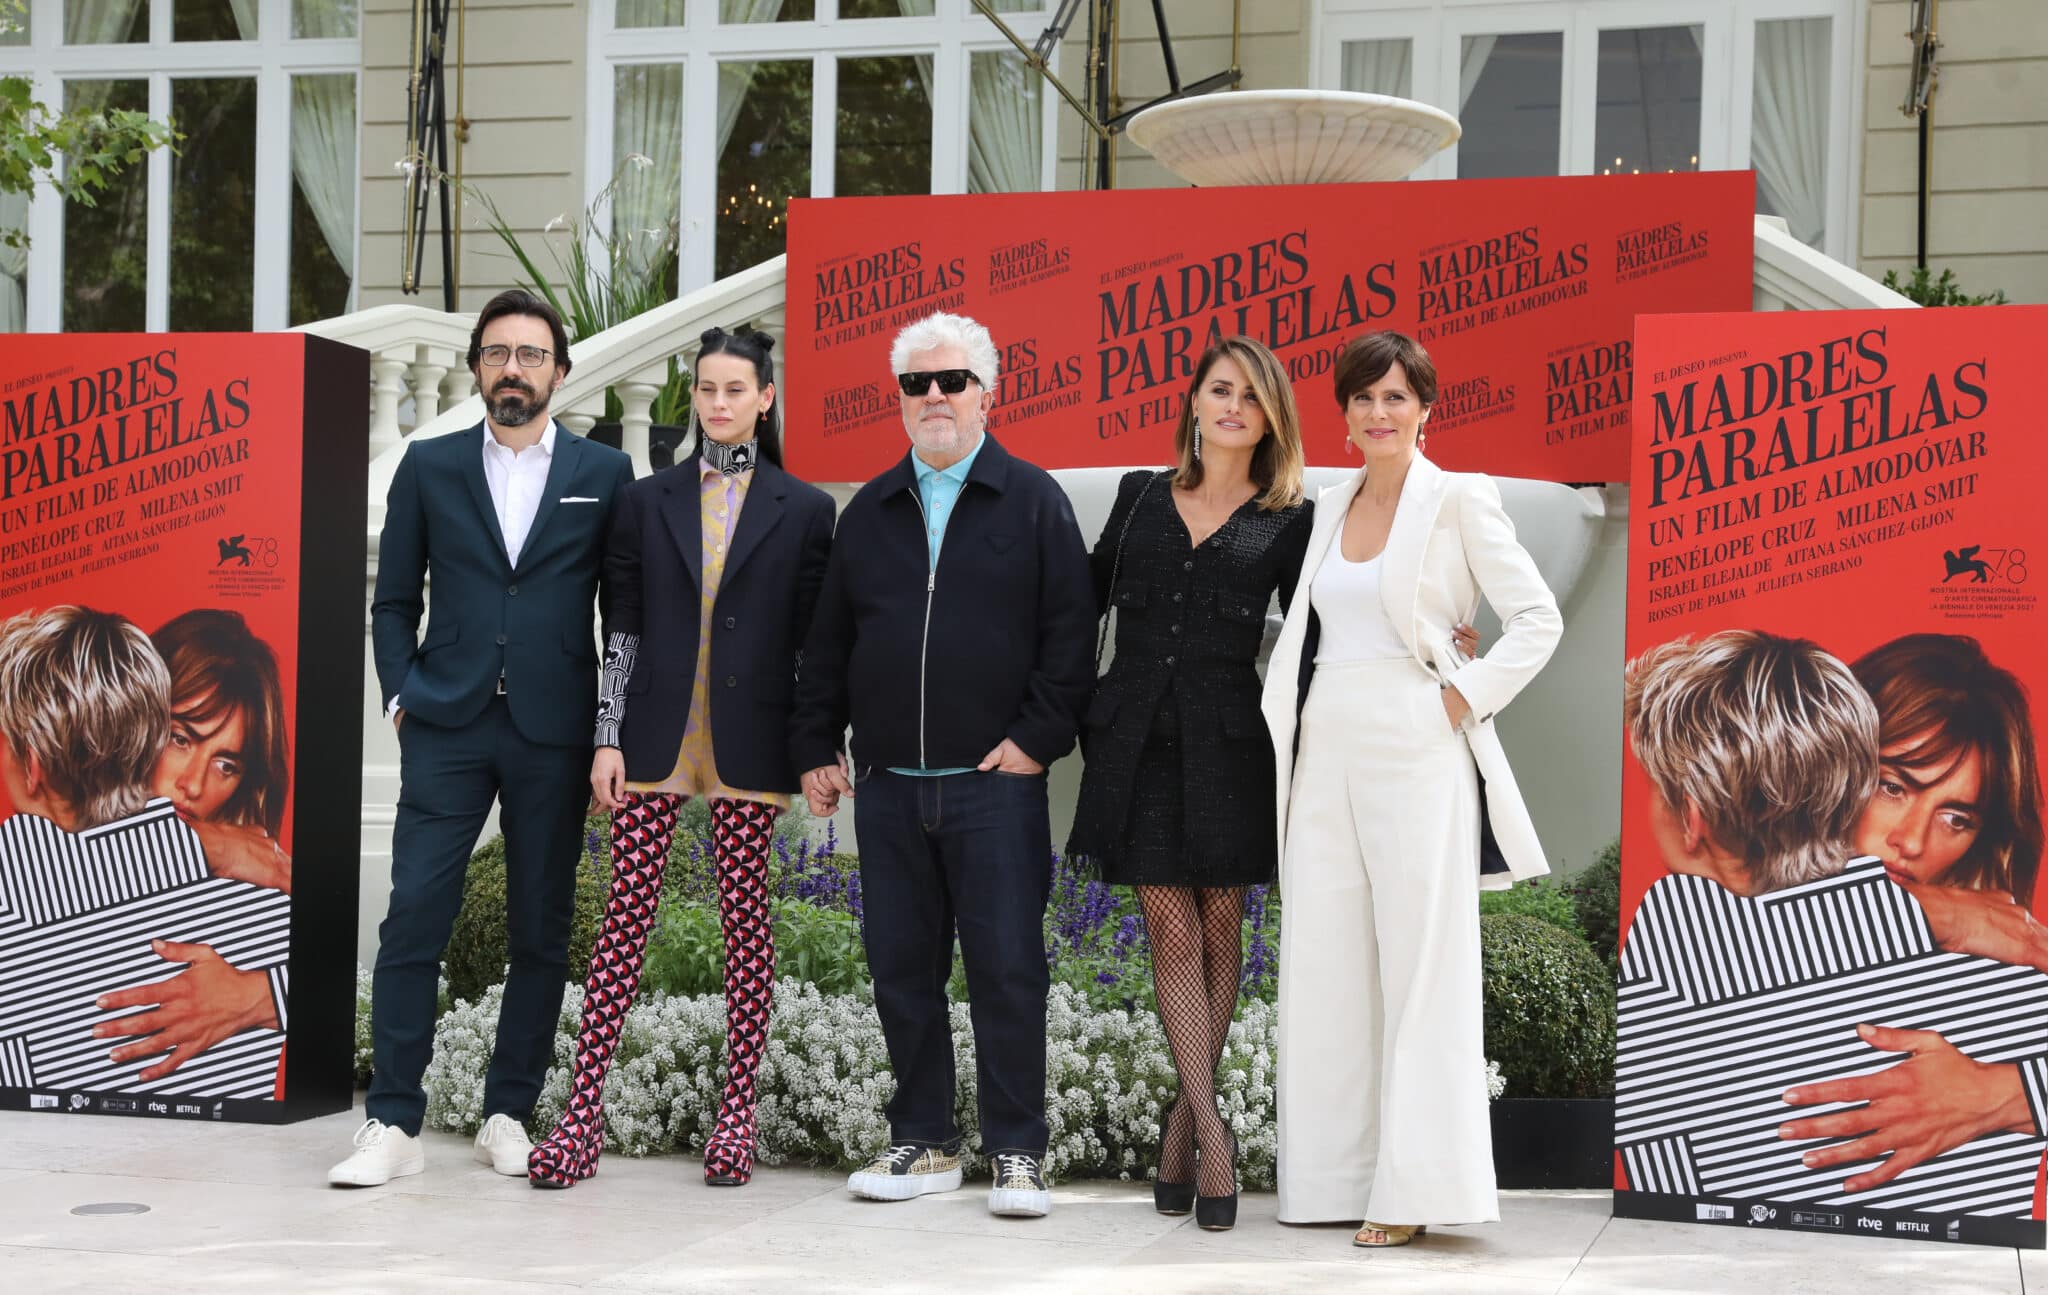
column 1292, row 136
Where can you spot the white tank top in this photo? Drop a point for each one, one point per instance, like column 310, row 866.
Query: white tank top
column 1346, row 595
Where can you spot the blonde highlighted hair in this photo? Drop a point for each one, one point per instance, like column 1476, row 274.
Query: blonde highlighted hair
column 85, row 693
column 1771, row 739
column 1276, row 460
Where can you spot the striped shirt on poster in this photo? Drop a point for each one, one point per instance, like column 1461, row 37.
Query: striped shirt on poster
column 1727, row 1001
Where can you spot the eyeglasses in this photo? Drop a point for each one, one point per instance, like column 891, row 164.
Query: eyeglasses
column 951, row 381
column 530, row 357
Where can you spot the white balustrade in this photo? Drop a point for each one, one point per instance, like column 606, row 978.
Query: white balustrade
column 387, row 390
column 426, row 374
column 636, row 399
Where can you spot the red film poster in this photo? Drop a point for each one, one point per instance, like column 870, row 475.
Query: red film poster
column 180, row 648
column 1833, row 1006
column 1525, row 292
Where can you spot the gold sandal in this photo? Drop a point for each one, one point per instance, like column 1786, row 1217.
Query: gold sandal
column 1391, row 1234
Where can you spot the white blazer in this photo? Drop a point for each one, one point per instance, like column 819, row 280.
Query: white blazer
column 1451, row 542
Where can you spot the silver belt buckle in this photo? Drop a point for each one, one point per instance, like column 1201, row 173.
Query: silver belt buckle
column 501, row 685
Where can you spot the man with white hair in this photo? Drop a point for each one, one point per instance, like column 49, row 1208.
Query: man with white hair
column 954, row 632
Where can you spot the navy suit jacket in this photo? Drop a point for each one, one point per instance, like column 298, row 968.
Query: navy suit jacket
column 533, row 624
column 654, row 572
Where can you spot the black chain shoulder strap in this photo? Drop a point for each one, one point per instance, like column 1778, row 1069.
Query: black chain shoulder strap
column 1117, row 563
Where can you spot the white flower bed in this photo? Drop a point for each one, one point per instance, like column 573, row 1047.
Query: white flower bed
column 825, row 1079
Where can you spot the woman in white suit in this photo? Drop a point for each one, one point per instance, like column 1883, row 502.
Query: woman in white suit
column 1382, row 1100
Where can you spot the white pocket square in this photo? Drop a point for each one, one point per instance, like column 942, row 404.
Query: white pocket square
column 579, row 499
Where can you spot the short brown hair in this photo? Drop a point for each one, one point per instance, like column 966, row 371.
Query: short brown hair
column 1276, row 462
column 1941, row 687
column 1365, row 360
column 85, row 693
column 219, row 668
column 1770, row 738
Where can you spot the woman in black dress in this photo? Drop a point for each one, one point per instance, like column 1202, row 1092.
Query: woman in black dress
column 1176, row 799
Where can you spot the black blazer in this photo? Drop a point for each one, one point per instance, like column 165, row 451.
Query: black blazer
column 653, row 575
column 532, row 625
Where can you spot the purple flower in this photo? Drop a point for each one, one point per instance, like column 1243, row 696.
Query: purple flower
column 1105, row 977
column 1127, row 935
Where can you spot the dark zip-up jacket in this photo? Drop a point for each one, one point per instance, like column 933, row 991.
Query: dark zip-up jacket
column 936, row 666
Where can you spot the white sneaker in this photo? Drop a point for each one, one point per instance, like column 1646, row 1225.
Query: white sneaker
column 382, row 1153
column 503, row 1145
column 1019, row 1191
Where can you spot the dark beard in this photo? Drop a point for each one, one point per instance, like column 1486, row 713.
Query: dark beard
column 513, row 409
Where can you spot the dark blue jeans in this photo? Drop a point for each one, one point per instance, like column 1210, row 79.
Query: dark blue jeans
column 972, row 852
column 448, row 778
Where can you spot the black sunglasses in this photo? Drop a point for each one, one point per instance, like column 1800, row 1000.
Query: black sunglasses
column 951, row 381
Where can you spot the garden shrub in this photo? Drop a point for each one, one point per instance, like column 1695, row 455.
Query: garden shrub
column 1543, row 900
column 821, row 946
column 1549, row 1008
column 1596, row 898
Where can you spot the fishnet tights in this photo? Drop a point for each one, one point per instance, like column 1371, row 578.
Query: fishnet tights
column 1197, row 942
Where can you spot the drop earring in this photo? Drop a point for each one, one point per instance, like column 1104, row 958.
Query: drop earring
column 1422, row 434
column 1198, row 440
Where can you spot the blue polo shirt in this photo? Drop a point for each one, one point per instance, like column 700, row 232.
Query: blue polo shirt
column 939, row 489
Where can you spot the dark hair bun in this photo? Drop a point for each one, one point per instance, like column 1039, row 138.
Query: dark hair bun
column 766, row 341
column 711, row 335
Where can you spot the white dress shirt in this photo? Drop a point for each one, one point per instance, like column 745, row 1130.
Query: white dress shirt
column 517, row 480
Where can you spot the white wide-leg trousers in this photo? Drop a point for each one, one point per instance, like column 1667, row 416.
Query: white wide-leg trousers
column 1382, row 1091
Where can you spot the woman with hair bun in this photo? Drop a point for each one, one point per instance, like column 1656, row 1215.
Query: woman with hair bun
column 712, row 567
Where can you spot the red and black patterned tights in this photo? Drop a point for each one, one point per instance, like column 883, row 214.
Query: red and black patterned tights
column 641, row 834
column 1197, row 942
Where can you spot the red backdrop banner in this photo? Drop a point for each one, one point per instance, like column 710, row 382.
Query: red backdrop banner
column 1864, row 483
column 1524, row 291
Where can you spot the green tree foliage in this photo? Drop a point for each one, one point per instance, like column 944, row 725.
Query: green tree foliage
column 96, row 146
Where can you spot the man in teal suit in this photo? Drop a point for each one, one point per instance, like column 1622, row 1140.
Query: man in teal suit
column 496, row 702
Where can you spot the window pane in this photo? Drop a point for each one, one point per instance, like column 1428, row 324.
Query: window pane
column 323, row 195
column 650, row 13
column 14, row 24
column 885, row 126
column 1508, row 97
column 886, row 8
column 764, row 158
column 106, row 22
column 745, row 11
column 647, row 163
column 196, row 20
column 213, row 205
column 324, row 19
column 1005, row 127
column 1788, row 130
column 106, row 245
column 1647, row 110
column 1377, row 67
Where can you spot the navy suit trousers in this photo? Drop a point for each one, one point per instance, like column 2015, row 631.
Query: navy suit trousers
column 448, row 778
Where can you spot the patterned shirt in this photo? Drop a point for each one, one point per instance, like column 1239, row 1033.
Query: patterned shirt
column 77, row 913
column 1726, row 1001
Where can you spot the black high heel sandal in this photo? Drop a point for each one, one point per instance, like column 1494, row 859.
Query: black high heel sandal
column 1219, row 1213
column 1170, row 1197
